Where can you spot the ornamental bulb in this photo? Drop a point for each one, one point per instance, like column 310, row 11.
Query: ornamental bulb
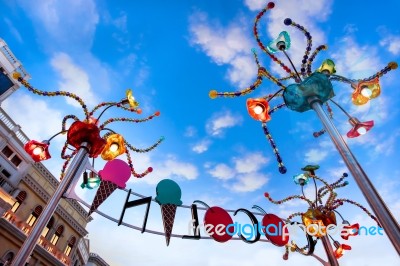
column 114, row 147
column 366, row 92
column 38, row 150
column 258, row 109
column 361, row 130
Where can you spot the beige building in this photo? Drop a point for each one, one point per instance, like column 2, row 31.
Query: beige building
column 26, row 186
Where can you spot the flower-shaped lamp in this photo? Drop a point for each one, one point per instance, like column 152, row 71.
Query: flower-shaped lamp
column 90, row 182
column 310, row 168
column 131, row 100
column 301, row 179
column 258, row 109
column 314, row 217
column 359, row 128
column 282, row 43
column 327, row 67
column 80, row 132
column 366, row 90
column 39, row 151
column 350, row 230
column 340, row 249
column 115, row 146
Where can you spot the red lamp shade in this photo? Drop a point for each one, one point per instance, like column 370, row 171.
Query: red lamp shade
column 80, row 132
column 366, row 90
column 359, row 128
column 340, row 249
column 115, row 146
column 258, row 109
column 39, row 151
column 350, row 230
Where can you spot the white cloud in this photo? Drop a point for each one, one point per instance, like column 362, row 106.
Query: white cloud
column 251, row 163
column 392, row 43
column 231, row 46
column 255, row 5
column 249, row 182
column 222, row 171
column 315, row 156
column 27, row 111
column 73, row 79
column 201, row 146
column 216, row 125
column 190, row 131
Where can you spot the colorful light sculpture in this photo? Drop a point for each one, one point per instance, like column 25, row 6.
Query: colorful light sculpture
column 321, row 211
column 84, row 140
column 340, row 249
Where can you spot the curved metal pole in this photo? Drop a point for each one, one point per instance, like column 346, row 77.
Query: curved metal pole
column 75, row 169
column 382, row 212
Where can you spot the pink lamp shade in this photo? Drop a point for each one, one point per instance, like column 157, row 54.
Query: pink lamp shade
column 39, row 151
column 359, row 128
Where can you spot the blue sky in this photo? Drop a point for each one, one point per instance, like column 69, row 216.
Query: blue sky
column 172, row 54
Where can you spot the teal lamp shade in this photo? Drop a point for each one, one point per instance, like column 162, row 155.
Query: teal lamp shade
column 317, row 85
column 279, row 44
column 301, row 179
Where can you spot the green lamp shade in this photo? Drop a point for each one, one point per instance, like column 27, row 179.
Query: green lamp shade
column 279, row 44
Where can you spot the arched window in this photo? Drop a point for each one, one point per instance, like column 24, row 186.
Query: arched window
column 70, row 245
column 7, row 258
column 34, row 215
column 20, row 198
column 57, row 234
column 48, row 227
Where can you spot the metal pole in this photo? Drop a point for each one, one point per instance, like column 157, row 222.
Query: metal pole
column 382, row 212
column 76, row 168
column 329, row 251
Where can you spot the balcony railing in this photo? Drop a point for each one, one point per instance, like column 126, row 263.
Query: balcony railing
column 43, row 242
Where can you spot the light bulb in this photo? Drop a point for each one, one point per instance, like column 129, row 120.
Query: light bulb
column 38, row 150
column 114, row 147
column 366, row 92
column 258, row 109
column 361, row 130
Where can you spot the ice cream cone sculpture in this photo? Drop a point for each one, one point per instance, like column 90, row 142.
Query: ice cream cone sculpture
column 169, row 197
column 114, row 175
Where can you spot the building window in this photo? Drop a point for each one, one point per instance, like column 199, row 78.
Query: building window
column 70, row 245
column 34, row 215
column 7, row 259
column 57, row 235
column 20, row 198
column 48, row 227
column 10, row 154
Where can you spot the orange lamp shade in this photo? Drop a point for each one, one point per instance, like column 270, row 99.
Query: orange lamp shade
column 340, row 249
column 39, row 151
column 313, row 217
column 80, row 132
column 366, row 90
column 115, row 146
column 258, row 109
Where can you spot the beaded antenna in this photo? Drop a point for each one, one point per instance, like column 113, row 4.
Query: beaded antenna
column 308, row 84
column 321, row 214
column 88, row 130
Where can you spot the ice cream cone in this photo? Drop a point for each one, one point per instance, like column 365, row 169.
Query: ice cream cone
column 168, row 215
column 103, row 192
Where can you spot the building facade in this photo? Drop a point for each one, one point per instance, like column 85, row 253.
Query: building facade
column 26, row 187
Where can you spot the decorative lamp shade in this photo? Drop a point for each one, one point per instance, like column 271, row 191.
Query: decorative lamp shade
column 359, row 128
column 80, row 132
column 258, row 109
column 92, row 182
column 329, row 218
column 366, row 90
column 340, row 249
column 301, row 179
column 327, row 67
column 39, row 151
column 115, row 146
column 350, row 230
column 131, row 100
column 314, row 217
column 279, row 44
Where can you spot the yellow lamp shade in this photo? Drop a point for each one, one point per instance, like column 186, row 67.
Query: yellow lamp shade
column 320, row 219
column 131, row 100
column 115, row 146
column 366, row 90
column 327, row 67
